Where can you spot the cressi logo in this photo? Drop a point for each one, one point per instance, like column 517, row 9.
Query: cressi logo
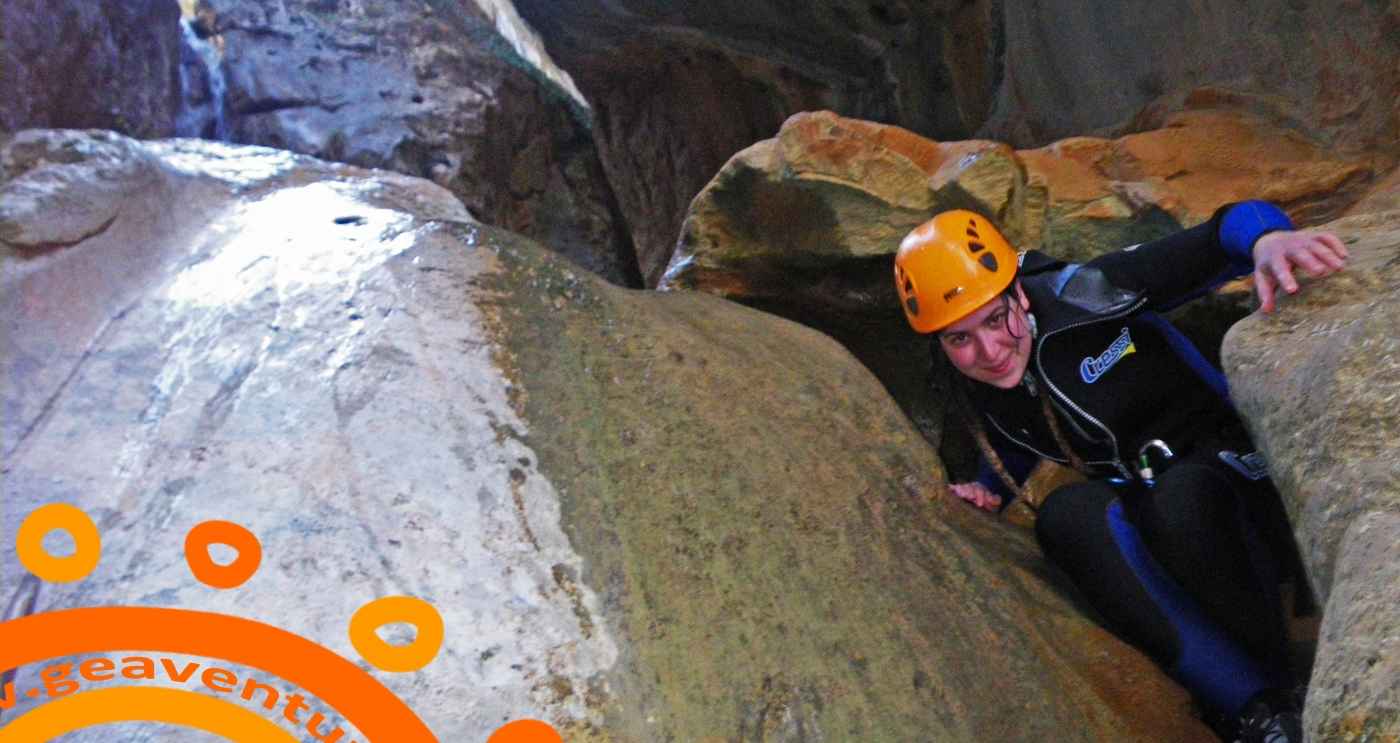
column 241, row 708
column 1091, row 369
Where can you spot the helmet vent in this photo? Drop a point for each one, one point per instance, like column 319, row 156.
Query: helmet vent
column 972, row 231
column 913, row 305
column 976, row 247
column 989, row 262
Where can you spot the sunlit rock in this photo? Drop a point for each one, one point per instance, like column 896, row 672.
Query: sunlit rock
column 433, row 90
column 642, row 516
column 1318, row 382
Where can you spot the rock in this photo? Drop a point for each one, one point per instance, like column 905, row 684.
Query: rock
column 806, row 224
column 828, row 190
column 107, row 64
column 1105, row 194
column 1318, row 381
column 431, row 90
column 677, row 88
column 1070, row 68
column 641, row 516
column 64, row 187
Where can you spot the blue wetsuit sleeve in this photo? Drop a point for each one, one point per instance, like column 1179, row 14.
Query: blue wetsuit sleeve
column 1244, row 224
column 1186, row 264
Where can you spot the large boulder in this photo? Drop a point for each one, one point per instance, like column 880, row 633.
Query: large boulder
column 641, row 516
column 430, row 89
column 1318, row 382
column 806, row 224
column 105, row 64
column 676, row 88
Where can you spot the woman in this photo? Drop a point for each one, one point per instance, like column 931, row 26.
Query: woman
column 1071, row 363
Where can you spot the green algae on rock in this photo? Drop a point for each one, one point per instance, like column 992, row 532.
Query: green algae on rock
column 770, row 539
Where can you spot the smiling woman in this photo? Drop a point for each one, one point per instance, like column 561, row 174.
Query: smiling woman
column 993, row 344
column 1067, row 362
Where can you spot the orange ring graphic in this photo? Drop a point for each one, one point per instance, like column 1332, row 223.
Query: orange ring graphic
column 44, row 519
column 150, row 704
column 523, row 731
column 366, row 703
column 397, row 658
column 211, row 573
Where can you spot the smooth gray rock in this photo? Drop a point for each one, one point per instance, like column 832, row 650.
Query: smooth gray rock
column 432, row 90
column 271, row 349
column 1076, row 67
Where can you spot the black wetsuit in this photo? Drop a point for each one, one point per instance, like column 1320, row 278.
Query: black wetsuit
column 1175, row 567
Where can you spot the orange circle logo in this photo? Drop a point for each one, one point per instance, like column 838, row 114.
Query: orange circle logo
column 237, row 710
column 210, row 573
column 29, row 543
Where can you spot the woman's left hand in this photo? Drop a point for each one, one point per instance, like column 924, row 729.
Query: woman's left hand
column 1278, row 253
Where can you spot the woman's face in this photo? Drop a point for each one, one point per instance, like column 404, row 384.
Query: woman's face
column 993, row 344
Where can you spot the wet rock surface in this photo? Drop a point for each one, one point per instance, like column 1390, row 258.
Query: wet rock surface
column 107, row 64
column 642, row 516
column 432, row 90
column 1318, row 383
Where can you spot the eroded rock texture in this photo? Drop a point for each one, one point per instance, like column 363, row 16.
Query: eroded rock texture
column 1318, row 382
column 104, row 64
column 678, row 87
column 642, row 516
column 1069, row 68
column 428, row 89
column 806, row 224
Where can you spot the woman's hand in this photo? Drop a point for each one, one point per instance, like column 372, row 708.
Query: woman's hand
column 1278, row 253
column 977, row 494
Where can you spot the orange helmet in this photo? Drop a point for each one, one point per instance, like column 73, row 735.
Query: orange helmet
column 949, row 266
